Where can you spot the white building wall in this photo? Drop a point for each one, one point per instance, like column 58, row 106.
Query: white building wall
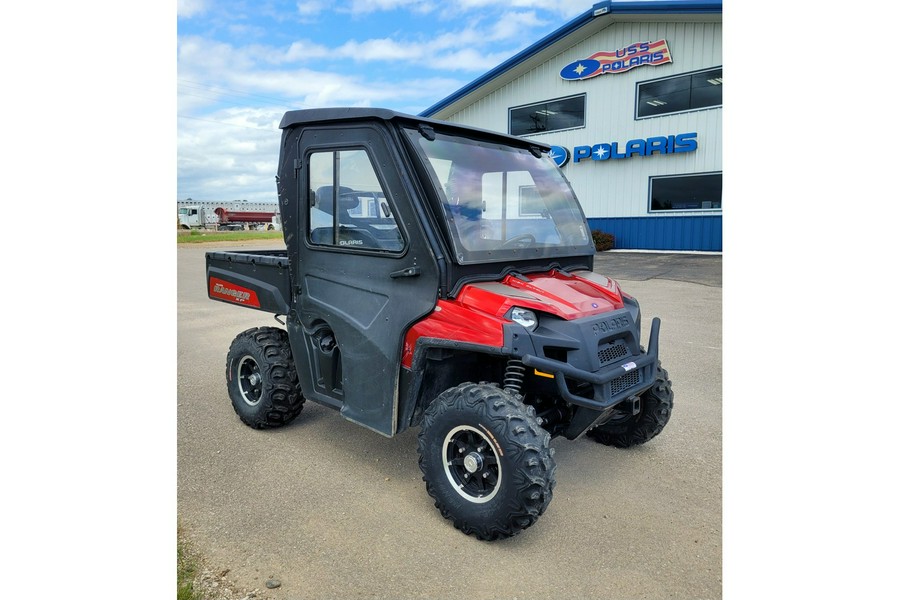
column 618, row 188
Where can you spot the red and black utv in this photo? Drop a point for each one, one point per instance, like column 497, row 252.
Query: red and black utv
column 440, row 276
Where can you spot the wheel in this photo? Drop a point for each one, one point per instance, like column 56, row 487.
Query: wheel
column 486, row 461
column 633, row 430
column 522, row 241
column 262, row 380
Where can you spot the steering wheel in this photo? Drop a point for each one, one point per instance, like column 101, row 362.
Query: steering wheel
column 522, row 240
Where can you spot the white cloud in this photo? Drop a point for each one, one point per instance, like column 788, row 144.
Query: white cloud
column 303, row 50
column 381, row 49
column 231, row 100
column 468, row 59
column 309, row 8
column 190, row 8
column 369, row 6
column 510, row 25
column 227, row 155
column 566, row 8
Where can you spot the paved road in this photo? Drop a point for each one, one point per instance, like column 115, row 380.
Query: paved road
column 705, row 269
column 336, row 511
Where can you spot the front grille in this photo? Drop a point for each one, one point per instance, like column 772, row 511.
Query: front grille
column 612, row 352
column 629, row 380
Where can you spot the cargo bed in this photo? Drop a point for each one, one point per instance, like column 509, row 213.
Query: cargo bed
column 257, row 279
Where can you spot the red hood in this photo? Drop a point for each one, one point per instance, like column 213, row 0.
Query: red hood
column 573, row 296
column 477, row 315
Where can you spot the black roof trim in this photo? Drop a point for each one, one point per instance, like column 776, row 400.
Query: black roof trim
column 310, row 116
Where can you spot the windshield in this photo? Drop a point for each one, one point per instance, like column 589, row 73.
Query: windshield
column 502, row 203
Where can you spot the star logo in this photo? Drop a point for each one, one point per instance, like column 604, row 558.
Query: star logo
column 559, row 155
column 600, row 153
column 582, row 68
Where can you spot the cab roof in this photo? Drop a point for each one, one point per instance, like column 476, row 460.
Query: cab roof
column 311, row 116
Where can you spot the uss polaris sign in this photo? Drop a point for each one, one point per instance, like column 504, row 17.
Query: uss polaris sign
column 618, row 61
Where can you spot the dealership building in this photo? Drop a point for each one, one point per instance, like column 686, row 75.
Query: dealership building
column 629, row 95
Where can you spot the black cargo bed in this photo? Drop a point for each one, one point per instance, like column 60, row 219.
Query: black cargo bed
column 257, row 279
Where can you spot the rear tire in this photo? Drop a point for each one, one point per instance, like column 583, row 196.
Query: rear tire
column 262, row 380
column 633, row 430
column 486, row 461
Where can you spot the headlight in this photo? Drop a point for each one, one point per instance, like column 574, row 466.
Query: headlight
column 524, row 317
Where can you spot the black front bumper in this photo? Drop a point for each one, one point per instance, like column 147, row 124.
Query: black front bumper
column 604, row 362
column 611, row 384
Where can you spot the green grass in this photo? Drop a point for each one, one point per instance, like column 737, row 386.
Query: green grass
column 197, row 236
column 188, row 567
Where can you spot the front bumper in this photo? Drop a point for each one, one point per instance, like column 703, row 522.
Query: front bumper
column 612, row 384
column 604, row 362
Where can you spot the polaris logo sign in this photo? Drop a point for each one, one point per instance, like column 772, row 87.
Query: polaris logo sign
column 672, row 144
column 618, row 61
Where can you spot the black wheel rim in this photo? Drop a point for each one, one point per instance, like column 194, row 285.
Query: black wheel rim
column 249, row 380
column 471, row 464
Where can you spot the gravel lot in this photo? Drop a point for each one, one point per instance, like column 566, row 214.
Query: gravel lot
column 333, row 510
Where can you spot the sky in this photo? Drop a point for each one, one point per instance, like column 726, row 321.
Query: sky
column 242, row 64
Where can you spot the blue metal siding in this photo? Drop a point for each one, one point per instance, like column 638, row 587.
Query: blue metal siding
column 701, row 233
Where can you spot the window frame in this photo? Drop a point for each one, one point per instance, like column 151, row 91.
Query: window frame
column 652, row 211
column 637, row 95
column 510, row 110
column 332, row 149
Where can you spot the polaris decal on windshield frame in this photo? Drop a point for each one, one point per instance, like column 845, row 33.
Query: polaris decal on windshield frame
column 224, row 290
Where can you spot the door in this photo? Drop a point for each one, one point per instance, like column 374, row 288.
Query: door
column 365, row 271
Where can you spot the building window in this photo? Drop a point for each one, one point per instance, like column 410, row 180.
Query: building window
column 552, row 115
column 691, row 91
column 686, row 192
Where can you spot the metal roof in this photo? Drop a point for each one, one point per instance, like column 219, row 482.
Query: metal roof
column 600, row 9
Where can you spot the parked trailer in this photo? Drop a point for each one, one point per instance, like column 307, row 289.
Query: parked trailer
column 233, row 219
column 204, row 214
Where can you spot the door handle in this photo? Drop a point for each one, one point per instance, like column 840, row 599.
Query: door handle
column 407, row 272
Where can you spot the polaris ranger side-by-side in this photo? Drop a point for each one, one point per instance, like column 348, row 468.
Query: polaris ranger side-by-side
column 440, row 276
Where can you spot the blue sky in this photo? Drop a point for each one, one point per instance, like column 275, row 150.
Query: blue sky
column 242, row 64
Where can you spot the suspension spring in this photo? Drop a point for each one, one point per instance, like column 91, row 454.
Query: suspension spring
column 514, row 376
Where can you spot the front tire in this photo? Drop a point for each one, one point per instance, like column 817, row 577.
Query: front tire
column 633, row 430
column 262, row 380
column 486, row 461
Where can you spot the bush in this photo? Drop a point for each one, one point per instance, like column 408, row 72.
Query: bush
column 603, row 241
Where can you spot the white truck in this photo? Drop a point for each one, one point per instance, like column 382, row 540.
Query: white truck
column 194, row 217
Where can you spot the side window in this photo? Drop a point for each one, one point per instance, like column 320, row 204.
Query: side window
column 347, row 205
column 686, row 192
column 681, row 93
